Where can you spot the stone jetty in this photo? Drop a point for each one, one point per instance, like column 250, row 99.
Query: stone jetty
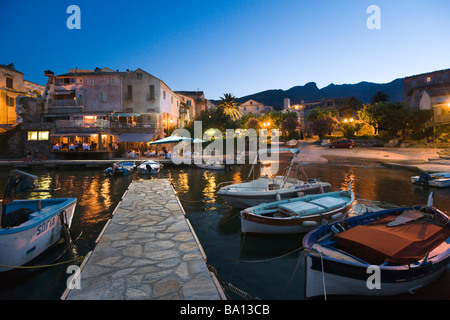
column 147, row 251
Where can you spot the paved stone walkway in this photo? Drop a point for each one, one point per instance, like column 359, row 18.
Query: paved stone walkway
column 147, row 251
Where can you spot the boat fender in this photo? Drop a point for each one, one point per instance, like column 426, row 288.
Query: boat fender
column 308, row 224
column 430, row 200
column 321, row 188
column 300, row 194
column 337, row 216
column 278, row 197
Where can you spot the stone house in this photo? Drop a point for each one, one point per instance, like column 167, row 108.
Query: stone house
column 429, row 91
column 255, row 107
column 13, row 85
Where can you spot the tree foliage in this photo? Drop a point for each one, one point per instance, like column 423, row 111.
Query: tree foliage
column 323, row 126
column 394, row 119
column 229, row 106
column 318, row 113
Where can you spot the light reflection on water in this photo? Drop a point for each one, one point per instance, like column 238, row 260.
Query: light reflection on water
column 236, row 258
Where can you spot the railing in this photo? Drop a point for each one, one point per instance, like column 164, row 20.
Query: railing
column 55, row 103
column 133, row 125
column 80, row 124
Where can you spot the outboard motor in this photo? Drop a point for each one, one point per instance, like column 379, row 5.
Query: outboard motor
column 423, row 178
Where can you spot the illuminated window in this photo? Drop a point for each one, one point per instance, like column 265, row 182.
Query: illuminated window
column 43, row 135
column 32, row 135
column 38, row 135
column 429, row 79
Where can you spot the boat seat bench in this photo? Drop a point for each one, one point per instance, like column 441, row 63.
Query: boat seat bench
column 300, row 208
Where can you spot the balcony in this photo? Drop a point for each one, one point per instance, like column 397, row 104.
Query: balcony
column 80, row 124
column 61, row 103
column 65, row 105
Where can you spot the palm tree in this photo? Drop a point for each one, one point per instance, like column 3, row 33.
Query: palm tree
column 229, row 106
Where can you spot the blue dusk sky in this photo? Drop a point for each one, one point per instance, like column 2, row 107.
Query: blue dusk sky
column 239, row 47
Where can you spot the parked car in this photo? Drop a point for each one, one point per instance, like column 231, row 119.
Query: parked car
column 344, row 143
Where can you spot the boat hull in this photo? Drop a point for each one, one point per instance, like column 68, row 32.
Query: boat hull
column 252, row 222
column 325, row 277
column 438, row 180
column 154, row 168
column 330, row 271
column 20, row 245
column 244, row 200
column 207, row 167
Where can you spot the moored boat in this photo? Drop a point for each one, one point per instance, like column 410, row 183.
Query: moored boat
column 297, row 215
column 270, row 188
column 380, row 253
column 439, row 180
column 211, row 164
column 149, row 167
column 120, row 168
column 30, row 227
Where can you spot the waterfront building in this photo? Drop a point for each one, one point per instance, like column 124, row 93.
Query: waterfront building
column 187, row 109
column 254, row 107
column 103, row 110
column 200, row 103
column 148, row 103
column 13, row 85
column 429, row 91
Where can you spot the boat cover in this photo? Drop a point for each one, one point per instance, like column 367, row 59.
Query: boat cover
column 300, row 208
column 329, row 203
column 377, row 243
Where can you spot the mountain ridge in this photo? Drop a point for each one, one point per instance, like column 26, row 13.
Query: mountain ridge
column 363, row 90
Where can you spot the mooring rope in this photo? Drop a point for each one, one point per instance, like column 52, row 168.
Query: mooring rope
column 79, row 259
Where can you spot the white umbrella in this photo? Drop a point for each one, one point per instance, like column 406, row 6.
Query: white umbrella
column 171, row 139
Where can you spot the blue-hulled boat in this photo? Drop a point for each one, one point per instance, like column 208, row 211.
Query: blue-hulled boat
column 297, row 215
column 381, row 253
column 120, row 168
column 30, row 227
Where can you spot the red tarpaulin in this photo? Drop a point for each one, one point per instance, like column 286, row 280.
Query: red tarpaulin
column 377, row 243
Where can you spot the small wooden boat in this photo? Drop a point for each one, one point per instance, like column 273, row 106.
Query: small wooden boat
column 30, row 227
column 381, row 253
column 120, row 168
column 149, row 167
column 268, row 189
column 211, row 164
column 297, row 215
column 439, row 180
column 22, row 181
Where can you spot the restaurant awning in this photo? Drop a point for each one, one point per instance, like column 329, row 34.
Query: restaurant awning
column 125, row 115
column 135, row 137
column 171, row 139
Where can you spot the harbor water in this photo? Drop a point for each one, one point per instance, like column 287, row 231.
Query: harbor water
column 264, row 267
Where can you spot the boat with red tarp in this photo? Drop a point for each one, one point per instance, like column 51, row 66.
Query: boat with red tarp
column 380, row 253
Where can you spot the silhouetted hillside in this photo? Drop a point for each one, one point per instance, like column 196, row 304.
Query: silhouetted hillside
column 364, row 91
